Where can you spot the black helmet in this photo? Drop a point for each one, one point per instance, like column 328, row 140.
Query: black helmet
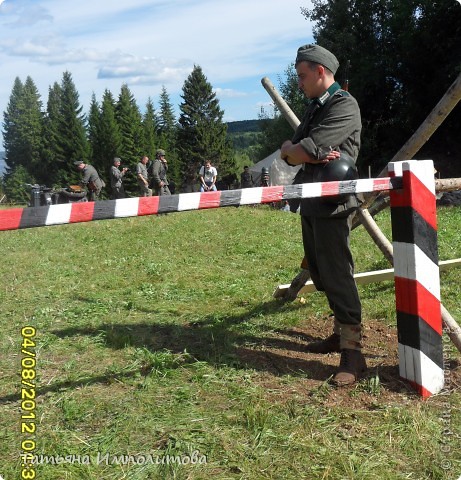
column 264, row 170
column 337, row 170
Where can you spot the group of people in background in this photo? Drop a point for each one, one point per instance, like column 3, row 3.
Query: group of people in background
column 152, row 177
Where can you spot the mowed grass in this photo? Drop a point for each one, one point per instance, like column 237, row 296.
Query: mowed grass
column 139, row 325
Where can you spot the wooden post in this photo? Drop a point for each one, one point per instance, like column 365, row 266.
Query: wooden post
column 417, row 281
column 286, row 111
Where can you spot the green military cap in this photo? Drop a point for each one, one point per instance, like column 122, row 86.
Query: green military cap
column 317, row 54
column 160, row 152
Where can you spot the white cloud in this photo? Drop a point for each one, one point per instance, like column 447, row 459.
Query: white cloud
column 150, row 43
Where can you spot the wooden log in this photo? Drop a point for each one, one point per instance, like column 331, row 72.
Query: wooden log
column 433, row 121
column 285, row 110
column 447, row 184
column 370, row 277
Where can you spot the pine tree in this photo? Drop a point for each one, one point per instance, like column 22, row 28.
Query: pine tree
column 202, row 134
column 128, row 119
column 168, row 136
column 72, row 130
column 103, row 133
column 52, row 155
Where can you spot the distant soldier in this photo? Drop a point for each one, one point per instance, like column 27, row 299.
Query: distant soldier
column 265, row 179
column 159, row 179
column 142, row 177
column 116, row 179
column 90, row 180
column 246, row 178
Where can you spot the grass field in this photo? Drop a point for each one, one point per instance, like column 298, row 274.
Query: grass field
column 158, row 338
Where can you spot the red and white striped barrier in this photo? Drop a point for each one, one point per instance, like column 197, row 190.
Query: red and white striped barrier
column 18, row 218
column 417, row 281
column 414, row 230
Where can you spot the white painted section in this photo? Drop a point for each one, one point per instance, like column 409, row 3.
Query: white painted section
column 189, row 201
column 415, row 366
column 58, row 214
column 126, row 207
column 411, row 262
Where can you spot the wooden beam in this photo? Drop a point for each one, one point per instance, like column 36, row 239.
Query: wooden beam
column 365, row 278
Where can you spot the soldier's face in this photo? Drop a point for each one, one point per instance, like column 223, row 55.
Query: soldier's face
column 309, row 80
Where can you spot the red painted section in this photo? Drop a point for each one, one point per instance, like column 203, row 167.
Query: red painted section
column 412, row 298
column 81, row 212
column 416, row 195
column 330, row 188
column 148, row 205
column 424, row 392
column 10, row 219
column 272, row 194
column 209, row 200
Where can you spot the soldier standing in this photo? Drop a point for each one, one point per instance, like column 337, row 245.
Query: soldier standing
column 142, row 177
column 116, row 179
column 159, row 178
column 331, row 124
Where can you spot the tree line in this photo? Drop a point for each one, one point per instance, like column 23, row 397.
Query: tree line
column 403, row 56
column 42, row 144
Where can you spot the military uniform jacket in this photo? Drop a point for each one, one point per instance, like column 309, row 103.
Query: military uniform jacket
column 91, row 179
column 115, row 177
column 159, row 170
column 331, row 121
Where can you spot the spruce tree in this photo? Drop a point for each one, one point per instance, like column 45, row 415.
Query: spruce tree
column 103, row 133
column 72, row 130
column 53, row 157
column 11, row 121
column 150, row 129
column 167, row 128
column 202, row 134
column 93, row 130
column 128, row 119
column 23, row 126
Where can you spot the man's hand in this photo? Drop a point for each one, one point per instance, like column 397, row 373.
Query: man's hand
column 286, row 145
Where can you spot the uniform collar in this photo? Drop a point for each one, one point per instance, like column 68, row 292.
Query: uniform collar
column 327, row 94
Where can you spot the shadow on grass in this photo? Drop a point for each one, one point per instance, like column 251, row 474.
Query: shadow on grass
column 215, row 339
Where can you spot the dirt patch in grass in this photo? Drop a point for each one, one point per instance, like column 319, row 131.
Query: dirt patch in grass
column 283, row 353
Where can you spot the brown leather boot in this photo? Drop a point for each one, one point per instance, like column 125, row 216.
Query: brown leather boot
column 351, row 367
column 328, row 345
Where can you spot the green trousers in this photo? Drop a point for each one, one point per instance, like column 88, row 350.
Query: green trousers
column 330, row 263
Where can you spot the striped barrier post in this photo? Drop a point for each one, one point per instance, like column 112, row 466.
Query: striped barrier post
column 417, row 281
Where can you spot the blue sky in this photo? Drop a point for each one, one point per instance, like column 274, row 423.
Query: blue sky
column 147, row 44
